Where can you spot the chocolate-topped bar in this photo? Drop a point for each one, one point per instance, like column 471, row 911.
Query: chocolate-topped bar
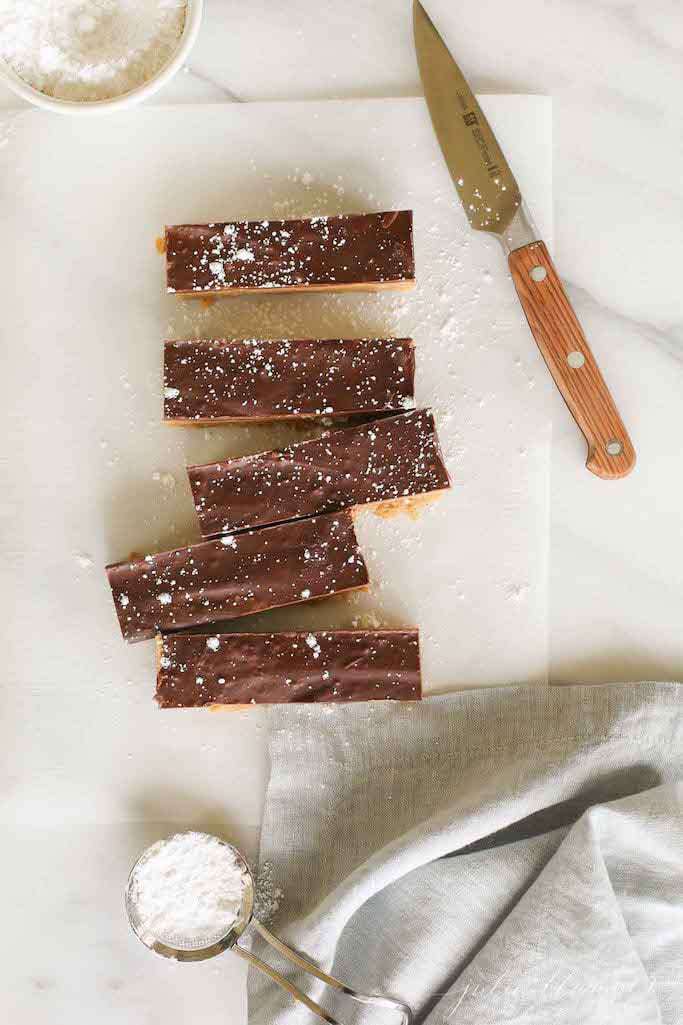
column 380, row 461
column 237, row 575
column 195, row 670
column 351, row 251
column 224, row 380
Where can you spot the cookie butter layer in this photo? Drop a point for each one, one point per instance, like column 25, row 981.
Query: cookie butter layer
column 328, row 665
column 235, row 576
column 363, row 251
column 382, row 461
column 234, row 380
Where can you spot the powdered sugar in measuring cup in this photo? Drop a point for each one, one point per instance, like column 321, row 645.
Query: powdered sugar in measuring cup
column 191, row 896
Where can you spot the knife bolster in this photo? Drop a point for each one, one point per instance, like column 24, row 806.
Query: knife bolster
column 521, row 231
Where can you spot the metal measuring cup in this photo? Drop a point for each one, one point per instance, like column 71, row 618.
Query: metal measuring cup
column 200, row 950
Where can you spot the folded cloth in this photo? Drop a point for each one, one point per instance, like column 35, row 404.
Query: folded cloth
column 496, row 856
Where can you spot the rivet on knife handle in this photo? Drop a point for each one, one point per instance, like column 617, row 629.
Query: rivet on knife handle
column 563, row 346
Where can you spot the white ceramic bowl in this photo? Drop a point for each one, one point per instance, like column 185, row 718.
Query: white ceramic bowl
column 193, row 17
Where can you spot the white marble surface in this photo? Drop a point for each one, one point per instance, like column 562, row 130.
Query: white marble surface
column 613, row 70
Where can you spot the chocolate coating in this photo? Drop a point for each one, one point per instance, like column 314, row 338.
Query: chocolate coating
column 379, row 461
column 206, row 381
column 330, row 665
column 235, row 576
column 371, row 250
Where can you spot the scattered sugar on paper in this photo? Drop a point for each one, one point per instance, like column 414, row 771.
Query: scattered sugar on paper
column 167, row 480
column 188, row 890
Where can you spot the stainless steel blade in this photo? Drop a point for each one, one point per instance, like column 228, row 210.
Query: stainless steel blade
column 485, row 184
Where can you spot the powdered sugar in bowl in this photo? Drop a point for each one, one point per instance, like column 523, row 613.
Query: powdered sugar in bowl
column 94, row 56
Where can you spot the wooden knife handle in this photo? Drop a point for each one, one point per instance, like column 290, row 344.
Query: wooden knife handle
column 563, row 346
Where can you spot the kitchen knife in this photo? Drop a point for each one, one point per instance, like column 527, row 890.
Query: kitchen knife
column 492, row 201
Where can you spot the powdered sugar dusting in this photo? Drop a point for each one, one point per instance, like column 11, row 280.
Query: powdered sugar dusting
column 257, row 570
column 222, row 378
column 384, row 461
column 323, row 251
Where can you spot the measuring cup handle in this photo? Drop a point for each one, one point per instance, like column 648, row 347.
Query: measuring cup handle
column 402, row 1010
column 285, row 984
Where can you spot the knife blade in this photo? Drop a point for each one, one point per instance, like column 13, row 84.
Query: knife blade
column 493, row 203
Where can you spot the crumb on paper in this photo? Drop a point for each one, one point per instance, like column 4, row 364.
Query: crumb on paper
column 412, row 506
